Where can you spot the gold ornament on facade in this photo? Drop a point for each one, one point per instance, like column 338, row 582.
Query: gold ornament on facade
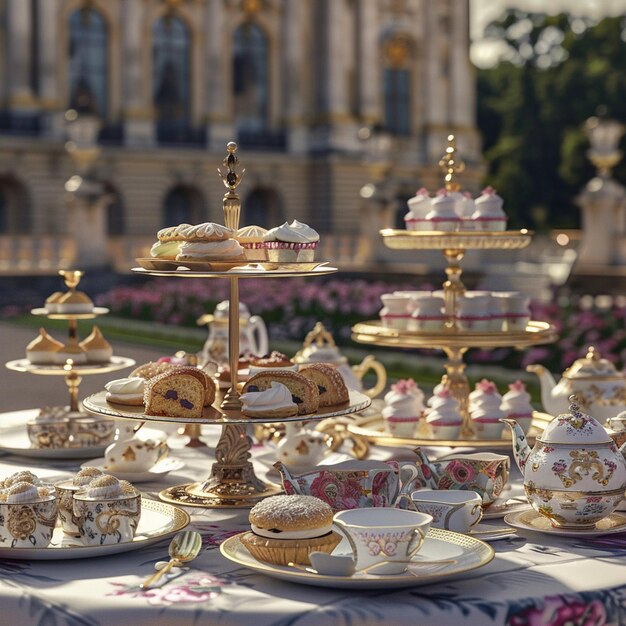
column 398, row 51
column 251, row 6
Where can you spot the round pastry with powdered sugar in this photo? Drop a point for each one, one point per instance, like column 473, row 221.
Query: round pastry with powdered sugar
column 287, row 528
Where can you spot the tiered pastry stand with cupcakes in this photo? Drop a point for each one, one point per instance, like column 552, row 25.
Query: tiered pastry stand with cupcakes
column 70, row 370
column 453, row 341
column 232, row 482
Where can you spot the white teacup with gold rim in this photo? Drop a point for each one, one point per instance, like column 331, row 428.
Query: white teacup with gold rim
column 107, row 511
column 391, row 537
column 458, row 511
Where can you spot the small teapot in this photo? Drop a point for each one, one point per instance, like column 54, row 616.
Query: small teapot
column 575, row 475
column 252, row 334
column 600, row 388
column 302, row 448
column 319, row 346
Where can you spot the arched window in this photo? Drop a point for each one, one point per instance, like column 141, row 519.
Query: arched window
column 14, row 207
column 250, row 78
column 88, row 61
column 263, row 208
column 183, row 205
column 116, row 219
column 397, row 86
column 170, row 77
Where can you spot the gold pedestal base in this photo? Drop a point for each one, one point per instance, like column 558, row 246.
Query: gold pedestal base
column 192, row 494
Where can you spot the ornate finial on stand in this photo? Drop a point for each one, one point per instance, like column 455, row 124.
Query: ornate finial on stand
column 451, row 165
column 231, row 179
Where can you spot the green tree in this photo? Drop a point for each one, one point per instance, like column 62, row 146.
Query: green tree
column 554, row 74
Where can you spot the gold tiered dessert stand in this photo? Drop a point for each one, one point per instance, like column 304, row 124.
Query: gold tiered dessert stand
column 453, row 341
column 232, row 482
column 73, row 372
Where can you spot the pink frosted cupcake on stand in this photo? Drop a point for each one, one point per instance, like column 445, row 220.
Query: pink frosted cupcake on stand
column 485, row 412
column 465, row 207
column 443, row 216
column 293, row 242
column 419, row 206
column 444, row 418
column 516, row 405
column 404, row 406
column 489, row 215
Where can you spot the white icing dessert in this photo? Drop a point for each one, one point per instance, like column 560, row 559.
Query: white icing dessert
column 126, row 390
column 52, row 302
column 465, row 208
column 85, row 476
column 166, row 250
column 444, row 418
column 74, row 302
column 273, row 402
column 251, row 240
column 70, row 351
column 404, row 406
column 489, row 215
column 42, row 350
column 516, row 405
column 105, row 487
column 291, row 242
column 200, row 250
column 419, row 207
column 442, row 215
column 96, row 347
column 485, row 412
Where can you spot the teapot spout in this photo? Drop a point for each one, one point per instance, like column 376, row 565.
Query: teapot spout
column 430, row 474
column 547, row 383
column 284, row 472
column 521, row 449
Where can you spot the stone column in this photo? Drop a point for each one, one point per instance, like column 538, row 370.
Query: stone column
column 602, row 202
column 18, row 33
column 293, row 79
column 139, row 128
column 368, row 62
column 217, row 67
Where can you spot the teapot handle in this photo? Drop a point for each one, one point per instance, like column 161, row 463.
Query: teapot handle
column 258, row 326
column 370, row 363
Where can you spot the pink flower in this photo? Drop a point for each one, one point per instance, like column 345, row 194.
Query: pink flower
column 460, row 472
column 562, row 611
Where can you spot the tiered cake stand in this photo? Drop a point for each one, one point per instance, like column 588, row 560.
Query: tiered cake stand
column 73, row 372
column 232, row 482
column 453, row 341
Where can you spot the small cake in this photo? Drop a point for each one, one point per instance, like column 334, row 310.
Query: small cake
column 74, row 302
column 485, row 412
column 516, row 405
column 165, row 250
column 303, row 391
column 251, row 240
column 273, row 360
column 295, row 242
column 42, row 350
column 96, row 347
column 173, row 233
column 65, row 492
column 442, row 215
column 208, row 242
column 286, row 529
column 330, row 383
column 465, row 207
column 444, row 418
column 175, row 393
column 419, row 207
column 404, row 406
column 151, row 369
column 273, row 402
column 71, row 351
column 52, row 301
column 23, row 476
column 489, row 215
column 126, row 391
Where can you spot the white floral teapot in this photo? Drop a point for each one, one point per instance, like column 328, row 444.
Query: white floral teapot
column 319, row 346
column 575, row 475
column 252, row 334
column 600, row 388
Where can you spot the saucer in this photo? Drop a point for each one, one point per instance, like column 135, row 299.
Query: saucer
column 500, row 508
column 485, row 532
column 467, row 553
column 167, row 465
column 531, row 520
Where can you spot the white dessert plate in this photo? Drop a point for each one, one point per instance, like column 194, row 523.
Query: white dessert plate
column 167, row 465
column 467, row 552
column 158, row 521
column 531, row 520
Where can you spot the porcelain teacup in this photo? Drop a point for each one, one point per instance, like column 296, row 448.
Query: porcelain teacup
column 383, row 535
column 48, row 434
column 458, row 511
column 88, row 431
column 28, row 524
column 346, row 485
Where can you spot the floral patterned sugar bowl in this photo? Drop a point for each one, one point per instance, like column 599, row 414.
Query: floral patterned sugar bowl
column 575, row 475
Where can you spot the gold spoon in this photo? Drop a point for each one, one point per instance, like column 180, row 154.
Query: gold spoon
column 183, row 548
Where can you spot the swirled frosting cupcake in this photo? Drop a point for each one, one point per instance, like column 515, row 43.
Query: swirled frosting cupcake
column 419, row 207
column 442, row 215
column 251, row 240
column 291, row 242
column 444, row 418
column 516, row 405
column 273, row 402
column 126, row 390
column 404, row 405
column 489, row 215
column 485, row 411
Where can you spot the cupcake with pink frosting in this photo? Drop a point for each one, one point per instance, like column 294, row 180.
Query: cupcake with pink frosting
column 404, row 406
column 419, row 206
column 444, row 418
column 443, row 215
column 485, row 412
column 489, row 215
column 516, row 405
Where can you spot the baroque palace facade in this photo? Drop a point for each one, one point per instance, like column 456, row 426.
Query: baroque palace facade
column 322, row 97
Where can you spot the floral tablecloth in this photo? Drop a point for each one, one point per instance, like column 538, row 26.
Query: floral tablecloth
column 534, row 580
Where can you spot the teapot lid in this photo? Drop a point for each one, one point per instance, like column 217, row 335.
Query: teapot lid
column 574, row 427
column 318, row 345
column 592, row 366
